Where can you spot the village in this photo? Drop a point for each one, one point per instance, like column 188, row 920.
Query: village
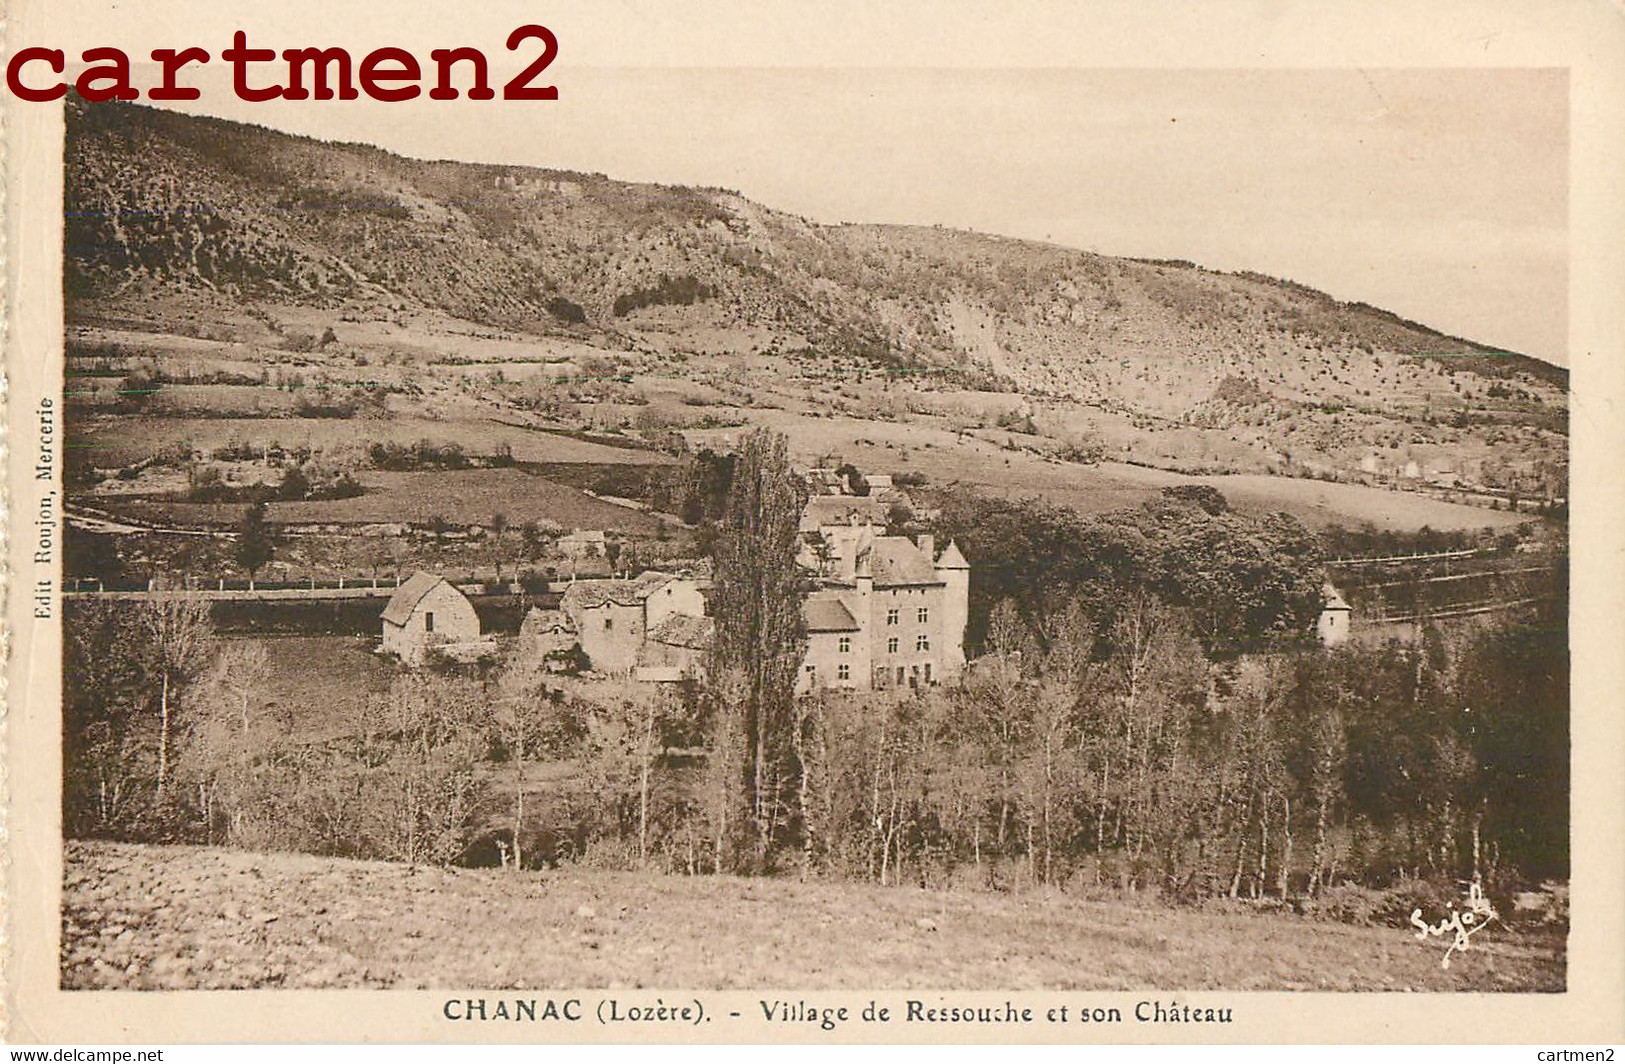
column 881, row 612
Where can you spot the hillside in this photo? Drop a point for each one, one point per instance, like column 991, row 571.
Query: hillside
column 182, row 226
column 155, row 917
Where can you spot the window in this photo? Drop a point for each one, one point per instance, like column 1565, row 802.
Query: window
column 892, row 616
column 891, row 645
column 924, row 615
column 928, row 672
column 428, row 621
column 609, row 623
column 812, row 671
column 843, row 672
column 900, row 672
column 845, row 645
column 922, row 642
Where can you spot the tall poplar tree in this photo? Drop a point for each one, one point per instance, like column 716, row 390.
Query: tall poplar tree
column 761, row 637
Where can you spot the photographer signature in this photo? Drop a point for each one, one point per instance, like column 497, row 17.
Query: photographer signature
column 1466, row 923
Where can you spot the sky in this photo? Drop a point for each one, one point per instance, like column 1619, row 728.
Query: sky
column 1440, row 194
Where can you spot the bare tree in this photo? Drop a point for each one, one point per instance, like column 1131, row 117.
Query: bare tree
column 419, row 794
column 178, row 643
column 514, row 714
column 226, row 736
column 629, row 736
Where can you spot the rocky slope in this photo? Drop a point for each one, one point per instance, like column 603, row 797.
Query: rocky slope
column 172, row 200
column 187, row 210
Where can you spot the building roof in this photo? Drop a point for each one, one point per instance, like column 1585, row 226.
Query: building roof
column 408, row 595
column 1334, row 600
column 681, row 630
column 590, row 594
column 952, row 558
column 538, row 620
column 825, row 510
column 828, row 614
column 894, row 561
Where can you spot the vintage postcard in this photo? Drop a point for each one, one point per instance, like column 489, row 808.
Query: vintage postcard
column 802, row 522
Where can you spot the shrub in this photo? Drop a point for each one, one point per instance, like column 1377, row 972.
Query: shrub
column 295, row 485
column 566, row 311
column 670, row 290
column 1208, row 498
column 1084, row 452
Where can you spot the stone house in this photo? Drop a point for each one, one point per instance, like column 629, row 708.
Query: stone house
column 545, row 635
column 675, row 649
column 426, row 612
column 613, row 618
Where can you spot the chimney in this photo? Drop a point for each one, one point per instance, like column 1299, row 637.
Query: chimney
column 927, row 545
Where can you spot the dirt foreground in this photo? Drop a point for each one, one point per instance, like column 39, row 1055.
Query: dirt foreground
column 153, row 917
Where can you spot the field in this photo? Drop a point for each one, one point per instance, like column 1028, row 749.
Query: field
column 344, row 670
column 465, row 496
column 148, row 917
column 120, row 440
column 997, row 462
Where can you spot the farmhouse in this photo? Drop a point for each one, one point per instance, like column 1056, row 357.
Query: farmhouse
column 547, row 636
column 426, row 612
column 613, row 618
column 676, row 649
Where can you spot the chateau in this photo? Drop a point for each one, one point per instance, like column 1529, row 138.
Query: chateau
column 888, row 612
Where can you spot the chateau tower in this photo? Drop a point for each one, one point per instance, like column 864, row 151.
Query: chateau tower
column 954, row 571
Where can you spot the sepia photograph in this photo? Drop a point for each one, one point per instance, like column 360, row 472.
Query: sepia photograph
column 484, row 552
column 745, row 539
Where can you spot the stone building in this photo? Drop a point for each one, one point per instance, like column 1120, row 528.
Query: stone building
column 613, row 618
column 426, row 612
column 547, row 636
column 675, row 649
column 1333, row 627
column 888, row 612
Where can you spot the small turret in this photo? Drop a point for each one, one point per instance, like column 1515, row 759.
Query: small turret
column 1333, row 626
column 952, row 559
column 954, row 572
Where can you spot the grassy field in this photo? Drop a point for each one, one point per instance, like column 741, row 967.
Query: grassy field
column 947, row 457
column 462, row 497
column 120, row 440
column 344, row 670
column 180, row 917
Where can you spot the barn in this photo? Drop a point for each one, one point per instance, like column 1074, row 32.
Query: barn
column 427, row 611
